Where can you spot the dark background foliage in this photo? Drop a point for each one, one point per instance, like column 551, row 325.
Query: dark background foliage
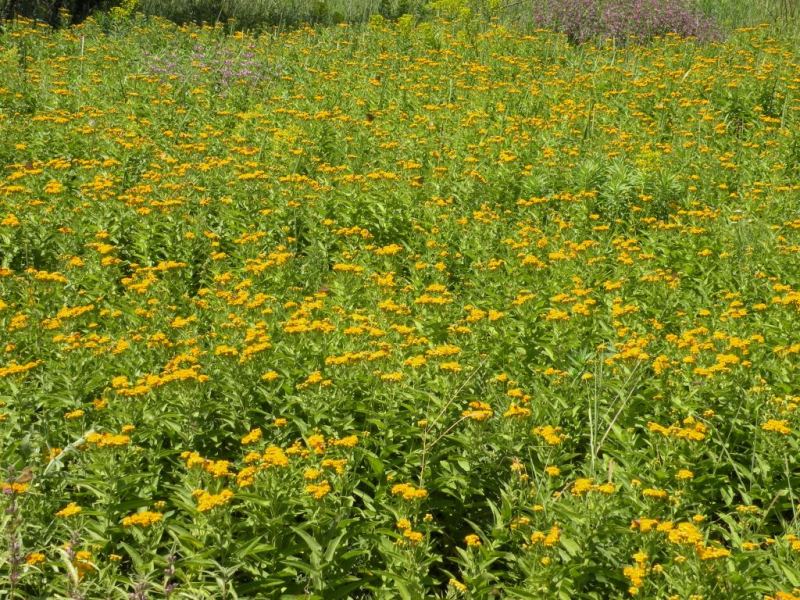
column 248, row 14
column 49, row 10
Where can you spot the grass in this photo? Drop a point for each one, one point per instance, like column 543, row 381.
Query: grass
column 737, row 14
column 276, row 12
column 248, row 14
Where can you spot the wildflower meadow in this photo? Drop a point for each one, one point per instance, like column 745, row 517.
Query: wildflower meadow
column 411, row 308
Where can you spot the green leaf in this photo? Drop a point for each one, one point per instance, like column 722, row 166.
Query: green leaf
column 333, row 545
column 572, row 547
column 313, row 545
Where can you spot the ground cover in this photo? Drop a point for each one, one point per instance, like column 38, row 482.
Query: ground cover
column 401, row 310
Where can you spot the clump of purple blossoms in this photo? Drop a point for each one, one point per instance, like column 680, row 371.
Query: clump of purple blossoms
column 623, row 20
column 221, row 65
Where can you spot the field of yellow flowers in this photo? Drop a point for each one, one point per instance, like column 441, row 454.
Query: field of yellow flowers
column 397, row 311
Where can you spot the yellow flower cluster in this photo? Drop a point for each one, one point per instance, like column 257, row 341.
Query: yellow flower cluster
column 318, row 490
column 143, row 519
column 693, row 430
column 408, row 492
column 207, row 501
column 104, row 440
column 69, row 510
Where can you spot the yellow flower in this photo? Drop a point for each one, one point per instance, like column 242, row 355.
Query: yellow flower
column 246, row 476
column 480, row 411
column 15, row 487
column 349, row 441
column 685, row 534
column 472, row 540
column 606, row 488
column 551, row 435
column 451, row 366
column 392, row 377
column 192, row 459
column 775, row 426
column 711, row 553
column 654, row 493
column 53, row 187
column 415, row 361
column 318, row 490
column 553, row 536
column 274, row 457
column 142, row 519
column 35, row 558
column 217, row 468
column 661, row 364
column 206, row 501
column 317, row 443
column 252, row 437
column 582, row 486
column 413, row 536
column 408, row 491
column 312, row 474
column 457, row 585
column 337, row 464
column 69, row 510
column 644, row 524
column 749, row 546
column 10, row 221
column 102, row 440
column 83, row 562
column 517, row 411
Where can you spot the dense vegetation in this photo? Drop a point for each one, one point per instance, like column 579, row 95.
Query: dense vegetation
column 247, row 13
column 398, row 310
column 250, row 14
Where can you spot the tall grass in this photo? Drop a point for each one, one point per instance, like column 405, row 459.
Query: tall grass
column 784, row 14
column 248, row 14
column 253, row 13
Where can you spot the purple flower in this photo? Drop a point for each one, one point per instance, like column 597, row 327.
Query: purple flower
column 582, row 20
column 221, row 66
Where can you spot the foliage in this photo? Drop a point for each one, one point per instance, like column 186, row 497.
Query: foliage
column 54, row 12
column 397, row 310
column 246, row 14
column 782, row 14
column 580, row 19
